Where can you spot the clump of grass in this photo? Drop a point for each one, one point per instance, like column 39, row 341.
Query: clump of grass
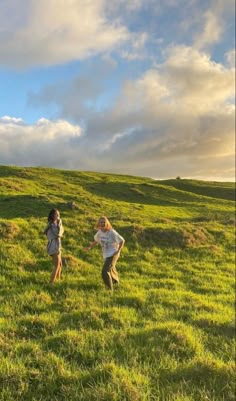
column 82, row 319
column 35, row 301
column 190, row 236
column 69, row 262
column 215, row 324
column 13, row 374
column 117, row 381
column 229, row 221
column 211, row 376
column 36, row 326
column 8, row 230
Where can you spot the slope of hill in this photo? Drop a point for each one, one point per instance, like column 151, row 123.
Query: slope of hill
column 223, row 190
column 166, row 334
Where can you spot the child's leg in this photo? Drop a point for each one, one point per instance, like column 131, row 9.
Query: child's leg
column 60, row 268
column 113, row 271
column 57, row 263
column 106, row 276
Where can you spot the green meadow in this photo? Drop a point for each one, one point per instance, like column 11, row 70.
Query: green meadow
column 165, row 334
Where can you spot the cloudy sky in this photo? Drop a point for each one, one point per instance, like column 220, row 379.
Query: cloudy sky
column 141, row 87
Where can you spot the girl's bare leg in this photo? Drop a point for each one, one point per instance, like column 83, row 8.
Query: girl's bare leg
column 59, row 270
column 57, row 266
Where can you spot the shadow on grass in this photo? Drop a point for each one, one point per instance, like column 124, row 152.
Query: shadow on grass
column 70, row 348
column 216, row 328
column 216, row 379
column 34, row 327
column 144, row 193
column 131, row 301
column 212, row 189
column 158, row 343
column 80, row 320
column 23, row 206
column 43, row 265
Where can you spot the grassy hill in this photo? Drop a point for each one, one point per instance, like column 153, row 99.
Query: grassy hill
column 166, row 334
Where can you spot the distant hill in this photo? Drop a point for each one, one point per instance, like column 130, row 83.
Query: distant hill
column 223, row 190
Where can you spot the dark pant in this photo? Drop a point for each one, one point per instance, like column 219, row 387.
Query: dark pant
column 109, row 272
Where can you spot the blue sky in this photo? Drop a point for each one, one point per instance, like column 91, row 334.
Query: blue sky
column 140, row 87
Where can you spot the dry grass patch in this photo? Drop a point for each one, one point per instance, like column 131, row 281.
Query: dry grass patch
column 8, row 230
column 190, row 236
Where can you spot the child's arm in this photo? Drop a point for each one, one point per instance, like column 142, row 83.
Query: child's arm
column 60, row 228
column 91, row 245
column 121, row 244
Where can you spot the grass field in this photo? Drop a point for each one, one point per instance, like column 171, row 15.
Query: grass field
column 166, row 334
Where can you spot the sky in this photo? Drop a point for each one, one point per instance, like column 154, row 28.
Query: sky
column 139, row 87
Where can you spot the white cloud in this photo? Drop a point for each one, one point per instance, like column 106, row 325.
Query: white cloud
column 176, row 119
column 211, row 32
column 197, row 81
column 230, row 58
column 44, row 143
column 180, row 114
column 48, row 32
column 213, row 23
column 11, row 120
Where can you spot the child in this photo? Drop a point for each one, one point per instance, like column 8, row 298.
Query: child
column 54, row 232
column 111, row 243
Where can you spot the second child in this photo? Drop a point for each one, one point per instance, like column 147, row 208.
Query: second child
column 111, row 243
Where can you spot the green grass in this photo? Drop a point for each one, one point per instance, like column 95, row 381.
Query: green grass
column 166, row 333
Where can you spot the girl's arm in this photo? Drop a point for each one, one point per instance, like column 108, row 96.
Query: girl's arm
column 60, row 228
column 91, row 245
column 121, row 244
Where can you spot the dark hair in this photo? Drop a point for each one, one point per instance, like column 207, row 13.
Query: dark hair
column 52, row 214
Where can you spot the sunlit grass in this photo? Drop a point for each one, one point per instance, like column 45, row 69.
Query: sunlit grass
column 165, row 334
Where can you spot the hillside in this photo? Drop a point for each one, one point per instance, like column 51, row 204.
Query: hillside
column 167, row 332
column 221, row 190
